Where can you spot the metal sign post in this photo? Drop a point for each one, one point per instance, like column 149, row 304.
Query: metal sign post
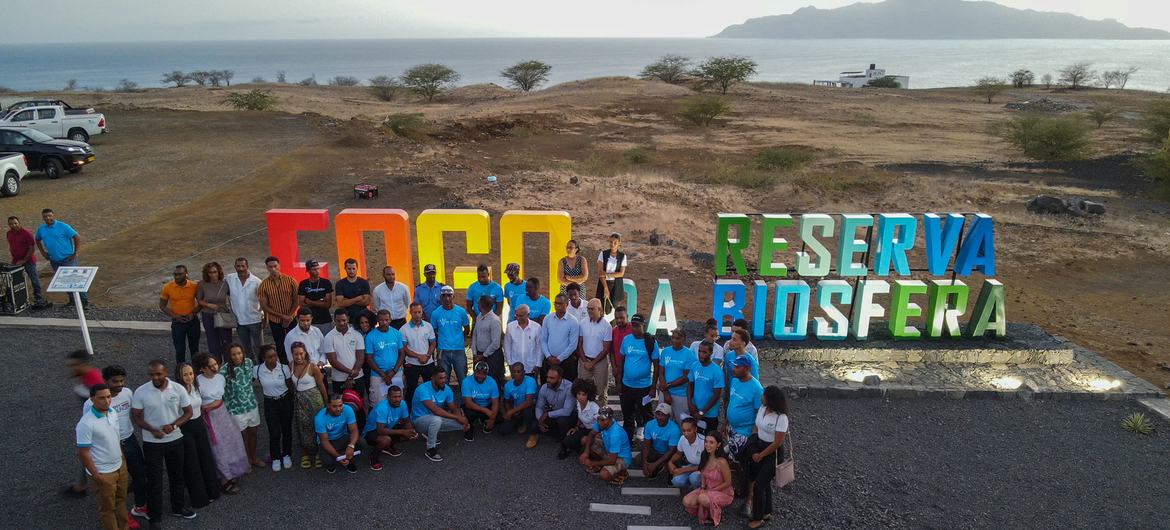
column 75, row 280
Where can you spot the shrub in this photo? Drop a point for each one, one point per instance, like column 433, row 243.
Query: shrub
column 126, row 85
column 1157, row 165
column 344, row 80
column 1138, row 423
column 178, row 78
column 1047, row 137
column 429, row 80
column 308, row 81
column 1023, row 78
column 731, row 174
column 636, row 155
column 384, row 87
column 252, row 100
column 6, row 90
column 527, row 75
column 411, row 126
column 783, row 158
column 259, row 80
column 888, row 81
column 989, row 87
column 703, row 110
column 1157, row 120
column 70, row 85
column 1077, row 75
column 281, row 77
column 725, row 71
column 668, row 69
column 1047, row 80
column 1103, row 113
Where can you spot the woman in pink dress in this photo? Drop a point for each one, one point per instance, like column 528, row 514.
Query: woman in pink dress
column 715, row 493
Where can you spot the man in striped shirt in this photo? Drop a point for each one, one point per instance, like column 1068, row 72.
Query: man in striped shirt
column 278, row 299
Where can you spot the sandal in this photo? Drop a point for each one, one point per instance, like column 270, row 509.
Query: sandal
column 620, row 479
column 755, row 524
column 317, row 463
column 231, row 488
column 306, row 462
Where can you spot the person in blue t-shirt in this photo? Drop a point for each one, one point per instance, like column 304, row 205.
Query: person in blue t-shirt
column 744, row 397
column 608, row 449
column 634, row 376
column 519, row 402
column 452, row 327
column 389, row 422
column 675, row 362
column 660, row 441
column 428, row 292
column 538, row 304
column 337, row 433
column 481, row 400
column 484, row 286
column 705, row 388
column 434, row 410
column 737, row 347
column 384, row 357
column 514, row 289
column 59, row 243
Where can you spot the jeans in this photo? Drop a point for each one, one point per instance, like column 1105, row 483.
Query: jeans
column 184, row 335
column 111, row 497
column 432, row 425
column 166, row 456
column 633, row 412
column 278, row 414
column 412, row 372
column 250, row 339
column 455, row 364
column 136, row 465
column 691, row 480
column 218, row 339
column 278, row 332
column 30, row 271
column 69, row 263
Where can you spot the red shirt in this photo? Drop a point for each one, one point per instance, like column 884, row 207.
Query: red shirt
column 620, row 334
column 20, row 242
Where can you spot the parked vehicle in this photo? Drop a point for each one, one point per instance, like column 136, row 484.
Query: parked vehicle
column 13, row 169
column 49, row 103
column 45, row 153
column 53, row 121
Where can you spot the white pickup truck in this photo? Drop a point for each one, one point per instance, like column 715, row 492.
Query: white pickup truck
column 13, row 169
column 54, row 121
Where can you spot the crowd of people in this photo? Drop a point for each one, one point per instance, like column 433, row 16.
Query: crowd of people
column 352, row 373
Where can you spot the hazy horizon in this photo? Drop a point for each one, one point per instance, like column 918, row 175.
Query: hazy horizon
column 136, row 21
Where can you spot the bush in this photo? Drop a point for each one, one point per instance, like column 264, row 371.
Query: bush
column 429, row 80
column 308, row 81
column 636, row 155
column 126, row 85
column 703, row 110
column 1157, row 165
column 384, row 87
column 411, row 126
column 725, row 71
column 178, row 78
column 1103, row 113
column 1157, row 120
column 6, row 90
column 70, row 85
column 252, row 100
column 783, row 158
column 344, row 80
column 1077, row 75
column 989, row 87
column 281, row 77
column 1023, row 78
column 1047, row 80
column 888, row 81
column 259, row 80
column 527, row 75
column 1046, row 137
column 668, row 69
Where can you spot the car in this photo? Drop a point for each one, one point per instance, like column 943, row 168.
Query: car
column 54, row 121
column 69, row 109
column 44, row 153
column 13, row 169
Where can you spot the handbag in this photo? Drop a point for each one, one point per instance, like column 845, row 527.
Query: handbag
column 786, row 471
column 225, row 319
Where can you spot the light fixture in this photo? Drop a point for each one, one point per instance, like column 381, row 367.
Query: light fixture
column 1101, row 384
column 1007, row 382
column 858, row 376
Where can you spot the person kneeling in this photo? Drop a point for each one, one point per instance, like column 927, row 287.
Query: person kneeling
column 389, row 422
column 332, row 424
column 519, row 403
column 434, row 410
column 585, row 393
column 481, row 400
column 608, row 452
column 660, row 438
column 684, row 467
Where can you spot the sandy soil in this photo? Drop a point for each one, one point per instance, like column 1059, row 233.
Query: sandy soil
column 181, row 179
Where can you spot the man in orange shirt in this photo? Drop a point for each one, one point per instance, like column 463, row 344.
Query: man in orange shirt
column 178, row 302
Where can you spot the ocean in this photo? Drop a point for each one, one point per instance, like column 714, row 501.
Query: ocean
column 929, row 63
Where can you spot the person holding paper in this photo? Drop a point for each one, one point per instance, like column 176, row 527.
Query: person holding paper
column 634, row 377
column 337, row 433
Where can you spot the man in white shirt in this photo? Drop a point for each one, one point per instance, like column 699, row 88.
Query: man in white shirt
column 522, row 342
column 420, row 350
column 393, row 296
column 308, row 334
column 100, row 451
column 593, row 350
column 578, row 307
column 346, row 350
column 120, row 402
column 242, row 288
column 159, row 408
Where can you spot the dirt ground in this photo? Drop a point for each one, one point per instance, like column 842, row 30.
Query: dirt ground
column 183, row 180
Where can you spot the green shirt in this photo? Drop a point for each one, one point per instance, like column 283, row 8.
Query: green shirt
column 238, row 394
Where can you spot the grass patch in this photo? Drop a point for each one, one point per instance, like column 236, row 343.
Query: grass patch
column 724, row 172
column 636, row 155
column 412, row 126
column 783, row 158
column 836, row 183
column 598, row 165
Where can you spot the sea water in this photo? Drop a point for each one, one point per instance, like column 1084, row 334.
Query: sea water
column 929, row 63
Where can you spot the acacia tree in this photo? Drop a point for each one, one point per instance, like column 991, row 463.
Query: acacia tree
column 227, row 76
column 1077, row 75
column 1023, row 78
column 725, row 71
column 199, row 77
column 527, row 75
column 429, row 80
column 384, row 87
column 178, row 78
column 215, row 77
column 989, row 87
column 668, row 69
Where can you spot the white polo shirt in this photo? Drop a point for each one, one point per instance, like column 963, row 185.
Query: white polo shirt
column 273, row 381
column 594, row 335
column 580, row 313
column 244, row 298
column 418, row 339
column 345, row 345
column 120, row 404
column 99, row 432
column 693, row 451
column 312, row 339
column 161, row 407
column 395, row 299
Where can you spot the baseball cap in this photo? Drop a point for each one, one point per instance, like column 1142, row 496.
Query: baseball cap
column 481, row 366
column 663, row 408
column 605, row 412
column 741, row 360
column 429, row 268
column 512, row 267
column 637, row 319
column 312, row 264
column 447, row 289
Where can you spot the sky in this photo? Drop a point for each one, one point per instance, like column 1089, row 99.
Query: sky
column 162, row 20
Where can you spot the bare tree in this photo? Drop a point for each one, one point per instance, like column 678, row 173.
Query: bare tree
column 1124, row 74
column 1110, row 78
column 126, row 85
column 344, row 80
column 199, row 77
column 215, row 77
column 70, row 85
column 178, row 78
column 1078, row 75
column 227, row 76
column 527, row 75
column 384, row 87
column 668, row 69
column 1047, row 80
column 281, row 77
column 989, row 87
column 1023, row 78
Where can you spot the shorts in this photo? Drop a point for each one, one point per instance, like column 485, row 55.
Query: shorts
column 247, row 419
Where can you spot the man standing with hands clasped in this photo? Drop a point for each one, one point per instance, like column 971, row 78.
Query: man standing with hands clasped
column 453, row 326
column 278, row 299
column 177, row 301
column 159, row 408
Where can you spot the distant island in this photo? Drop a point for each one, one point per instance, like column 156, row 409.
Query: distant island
column 933, row 19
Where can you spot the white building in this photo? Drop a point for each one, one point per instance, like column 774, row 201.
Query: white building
column 861, row 79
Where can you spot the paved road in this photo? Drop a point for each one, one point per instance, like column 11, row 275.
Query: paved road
column 861, row 463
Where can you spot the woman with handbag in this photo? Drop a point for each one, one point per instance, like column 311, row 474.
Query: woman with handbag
column 218, row 321
column 226, row 443
column 757, row 459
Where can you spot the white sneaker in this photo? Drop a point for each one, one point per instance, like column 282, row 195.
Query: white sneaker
column 276, row 465
column 287, row 462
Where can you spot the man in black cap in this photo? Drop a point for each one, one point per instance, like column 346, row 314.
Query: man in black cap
column 481, row 400
column 316, row 293
column 428, row 292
